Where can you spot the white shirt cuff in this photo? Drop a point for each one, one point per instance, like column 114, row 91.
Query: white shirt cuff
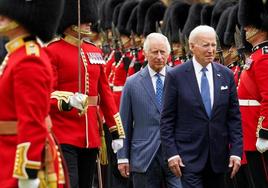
column 173, row 157
column 234, row 156
column 120, row 161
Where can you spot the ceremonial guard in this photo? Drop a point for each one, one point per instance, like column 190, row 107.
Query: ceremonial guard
column 29, row 157
column 253, row 90
column 80, row 89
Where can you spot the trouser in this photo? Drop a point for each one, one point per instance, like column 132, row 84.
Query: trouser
column 81, row 164
column 258, row 168
column 157, row 174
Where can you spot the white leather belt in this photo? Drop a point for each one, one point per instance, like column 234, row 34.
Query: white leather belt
column 248, row 102
column 118, row 88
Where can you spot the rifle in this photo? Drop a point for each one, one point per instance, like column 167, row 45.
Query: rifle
column 219, row 50
column 240, row 49
column 106, row 49
column 187, row 49
column 116, row 44
column 173, row 58
column 183, row 46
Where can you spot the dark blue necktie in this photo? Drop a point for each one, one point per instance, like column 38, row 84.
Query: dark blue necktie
column 205, row 91
column 159, row 89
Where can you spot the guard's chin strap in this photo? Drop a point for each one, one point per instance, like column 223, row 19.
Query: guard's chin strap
column 252, row 33
column 83, row 32
column 10, row 26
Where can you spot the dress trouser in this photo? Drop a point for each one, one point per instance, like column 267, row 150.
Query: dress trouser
column 258, row 168
column 157, row 174
column 81, row 163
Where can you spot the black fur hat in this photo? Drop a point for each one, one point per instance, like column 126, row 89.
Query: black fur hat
column 179, row 16
column 193, row 18
column 88, row 10
column 221, row 26
column 117, row 10
column 231, row 24
column 133, row 20
column 124, row 16
column 109, row 10
column 39, row 17
column 206, row 13
column 219, row 7
column 254, row 13
column 143, row 6
column 154, row 14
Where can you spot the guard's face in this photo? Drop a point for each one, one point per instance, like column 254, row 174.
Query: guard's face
column 204, row 48
column 157, row 54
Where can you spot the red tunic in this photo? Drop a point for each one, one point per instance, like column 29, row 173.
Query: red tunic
column 254, row 86
column 120, row 76
column 69, row 127
column 25, row 85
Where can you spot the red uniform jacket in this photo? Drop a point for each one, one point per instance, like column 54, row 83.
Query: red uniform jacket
column 25, row 85
column 120, row 76
column 254, row 86
column 69, row 126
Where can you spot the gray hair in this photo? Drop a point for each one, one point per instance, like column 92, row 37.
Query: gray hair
column 146, row 44
column 204, row 29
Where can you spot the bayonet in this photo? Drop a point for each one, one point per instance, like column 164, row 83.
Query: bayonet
column 182, row 45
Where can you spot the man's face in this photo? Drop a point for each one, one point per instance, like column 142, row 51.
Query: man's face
column 157, row 54
column 204, row 48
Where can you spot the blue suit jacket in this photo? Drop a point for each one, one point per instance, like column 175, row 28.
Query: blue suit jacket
column 186, row 128
column 140, row 115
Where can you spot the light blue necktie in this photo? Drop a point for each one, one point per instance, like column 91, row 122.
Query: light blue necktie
column 205, row 92
column 159, row 89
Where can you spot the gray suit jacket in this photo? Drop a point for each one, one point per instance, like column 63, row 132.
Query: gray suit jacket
column 140, row 115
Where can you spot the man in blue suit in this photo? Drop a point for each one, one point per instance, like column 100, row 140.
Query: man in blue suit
column 200, row 124
column 140, row 108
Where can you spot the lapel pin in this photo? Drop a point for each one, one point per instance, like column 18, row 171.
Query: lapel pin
column 218, row 75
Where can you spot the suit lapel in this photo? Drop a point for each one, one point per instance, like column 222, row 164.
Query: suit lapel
column 217, row 84
column 148, row 86
column 192, row 81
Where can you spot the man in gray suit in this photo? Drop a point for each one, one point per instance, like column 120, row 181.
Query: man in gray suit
column 140, row 111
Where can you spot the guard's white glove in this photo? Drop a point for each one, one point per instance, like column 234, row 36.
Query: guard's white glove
column 79, row 101
column 117, row 144
column 262, row 145
column 29, row 183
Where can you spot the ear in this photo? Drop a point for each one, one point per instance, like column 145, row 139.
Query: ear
column 191, row 46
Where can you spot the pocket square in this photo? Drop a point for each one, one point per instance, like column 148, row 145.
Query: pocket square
column 224, row 87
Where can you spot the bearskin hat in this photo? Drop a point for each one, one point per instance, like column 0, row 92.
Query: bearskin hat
column 193, row 18
column 88, row 14
column 132, row 22
column 40, row 17
column 143, row 6
column 179, row 16
column 231, row 24
column 124, row 16
column 154, row 14
column 206, row 13
column 219, row 7
column 109, row 11
column 254, row 13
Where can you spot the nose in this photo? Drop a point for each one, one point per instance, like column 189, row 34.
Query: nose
column 159, row 55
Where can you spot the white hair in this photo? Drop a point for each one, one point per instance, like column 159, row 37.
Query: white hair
column 201, row 29
column 146, row 44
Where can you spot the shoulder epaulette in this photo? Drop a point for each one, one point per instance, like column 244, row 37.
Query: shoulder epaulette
column 87, row 40
column 32, row 48
column 56, row 39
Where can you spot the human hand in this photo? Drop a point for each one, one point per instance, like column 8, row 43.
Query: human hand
column 174, row 166
column 29, row 183
column 262, row 145
column 79, row 101
column 124, row 169
column 117, row 144
column 234, row 164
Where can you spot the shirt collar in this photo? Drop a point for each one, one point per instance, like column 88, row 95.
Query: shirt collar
column 198, row 66
column 153, row 73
